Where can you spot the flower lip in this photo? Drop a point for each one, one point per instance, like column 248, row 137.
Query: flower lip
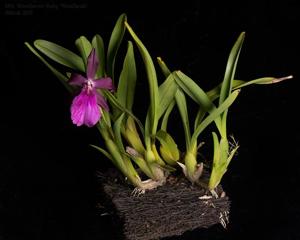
column 85, row 109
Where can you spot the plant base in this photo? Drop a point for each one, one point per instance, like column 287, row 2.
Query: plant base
column 167, row 211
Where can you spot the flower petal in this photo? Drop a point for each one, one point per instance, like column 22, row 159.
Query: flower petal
column 78, row 110
column 92, row 64
column 85, row 110
column 102, row 102
column 104, row 83
column 77, row 79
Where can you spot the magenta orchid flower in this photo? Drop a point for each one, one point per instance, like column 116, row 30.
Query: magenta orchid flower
column 85, row 108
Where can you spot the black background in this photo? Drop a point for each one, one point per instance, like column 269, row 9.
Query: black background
column 47, row 169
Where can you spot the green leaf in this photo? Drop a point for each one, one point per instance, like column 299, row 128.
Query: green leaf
column 199, row 117
column 151, row 74
column 168, row 149
column 114, row 101
column 121, row 162
column 190, row 162
column 193, row 90
column 164, row 68
column 228, row 78
column 85, row 47
column 105, row 117
column 104, row 152
column 63, row 79
column 163, row 90
column 182, row 106
column 142, row 165
column 236, row 84
column 167, row 91
column 265, row 80
column 105, row 130
column 230, row 68
column 117, row 132
column 222, row 158
column 114, row 44
column 196, row 93
column 132, row 136
column 217, row 151
column 60, row 54
column 98, row 44
column 148, row 131
column 166, row 139
column 127, row 81
column 224, row 151
column 115, row 156
column 131, row 172
column 213, row 115
column 165, row 120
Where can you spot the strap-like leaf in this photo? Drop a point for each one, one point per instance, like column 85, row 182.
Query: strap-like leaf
column 60, row 54
column 127, row 81
column 167, row 91
column 217, row 151
column 114, row 44
column 151, row 74
column 164, row 68
column 142, row 164
column 117, row 132
column 114, row 101
column 168, row 146
column 63, row 79
column 165, row 120
column 214, row 93
column 85, row 47
column 228, row 78
column 122, row 163
column 105, row 117
column 148, row 135
column 163, row 89
column 265, row 80
column 199, row 117
column 230, row 68
column 104, row 152
column 132, row 136
column 182, row 106
column 98, row 44
column 196, row 93
column 166, row 139
column 117, row 157
column 213, row 115
column 221, row 161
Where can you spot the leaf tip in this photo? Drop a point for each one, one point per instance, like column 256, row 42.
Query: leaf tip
column 38, row 42
column 160, row 61
column 124, row 15
column 276, row 80
column 242, row 34
column 236, row 92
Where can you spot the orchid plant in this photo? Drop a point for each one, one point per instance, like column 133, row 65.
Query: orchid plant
column 146, row 154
